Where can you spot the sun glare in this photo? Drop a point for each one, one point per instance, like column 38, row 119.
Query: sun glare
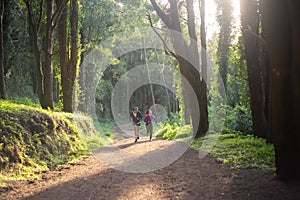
column 210, row 14
column 211, row 23
column 236, row 8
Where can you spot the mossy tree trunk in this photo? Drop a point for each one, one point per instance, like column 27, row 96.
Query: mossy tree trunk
column 68, row 60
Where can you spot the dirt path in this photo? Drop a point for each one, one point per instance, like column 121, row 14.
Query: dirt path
column 187, row 178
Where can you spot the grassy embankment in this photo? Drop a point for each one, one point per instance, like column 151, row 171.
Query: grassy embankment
column 33, row 140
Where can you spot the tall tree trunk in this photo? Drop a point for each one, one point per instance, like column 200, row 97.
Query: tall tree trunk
column 2, row 83
column 282, row 31
column 266, row 73
column 186, row 110
column 224, row 19
column 294, row 7
column 250, row 24
column 37, row 53
column 43, row 57
column 74, row 20
column 43, row 67
column 47, row 100
column 203, row 39
column 190, row 71
column 203, row 85
column 63, row 45
column 55, row 87
column 68, row 66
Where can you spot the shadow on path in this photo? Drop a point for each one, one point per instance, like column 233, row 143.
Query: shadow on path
column 187, row 178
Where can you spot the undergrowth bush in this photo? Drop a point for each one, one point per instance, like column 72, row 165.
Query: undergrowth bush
column 173, row 120
column 175, row 132
column 238, row 120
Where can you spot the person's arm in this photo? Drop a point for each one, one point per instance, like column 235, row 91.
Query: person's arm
column 154, row 118
column 139, row 115
column 131, row 116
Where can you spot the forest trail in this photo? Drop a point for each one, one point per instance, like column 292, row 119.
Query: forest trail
column 189, row 177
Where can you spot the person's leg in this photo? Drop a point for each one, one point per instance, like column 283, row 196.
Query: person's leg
column 150, row 130
column 135, row 127
column 138, row 132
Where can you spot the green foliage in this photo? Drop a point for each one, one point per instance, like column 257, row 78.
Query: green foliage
column 161, row 132
column 179, row 94
column 234, row 115
column 238, row 87
column 11, row 107
column 184, row 132
column 171, row 129
column 18, row 62
column 167, row 132
column 174, row 120
column 225, row 20
column 102, row 21
column 98, row 136
column 238, row 120
column 32, row 102
column 241, row 151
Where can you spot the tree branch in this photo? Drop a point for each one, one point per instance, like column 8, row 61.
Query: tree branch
column 167, row 50
column 40, row 15
column 58, row 13
column 30, row 13
column 162, row 15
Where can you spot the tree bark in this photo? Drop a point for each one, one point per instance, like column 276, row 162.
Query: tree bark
column 2, row 82
column 74, row 19
column 68, row 62
column 250, row 24
column 266, row 72
column 47, row 100
column 34, row 34
column 203, row 85
column 43, row 57
column 43, row 67
column 282, row 34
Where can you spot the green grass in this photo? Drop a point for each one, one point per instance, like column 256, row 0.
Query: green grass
column 238, row 151
column 10, row 107
column 93, row 135
column 241, row 151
